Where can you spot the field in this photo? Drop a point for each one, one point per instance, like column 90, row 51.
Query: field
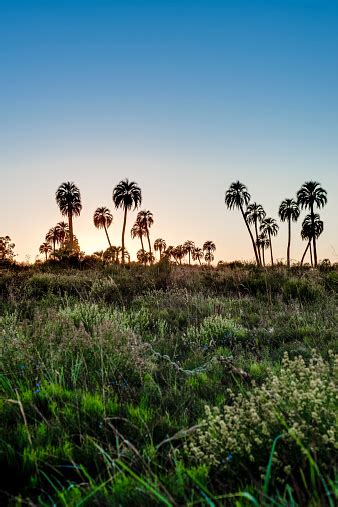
column 168, row 385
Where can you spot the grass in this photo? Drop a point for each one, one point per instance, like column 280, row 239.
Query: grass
column 105, row 374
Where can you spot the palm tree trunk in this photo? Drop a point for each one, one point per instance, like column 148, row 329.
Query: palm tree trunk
column 314, row 236
column 258, row 249
column 123, row 232
column 105, row 230
column 54, row 247
column 311, row 255
column 46, row 255
column 271, row 249
column 251, row 236
column 142, row 242
column 263, row 255
column 306, row 249
column 70, row 225
column 148, row 237
column 289, row 242
column 189, row 256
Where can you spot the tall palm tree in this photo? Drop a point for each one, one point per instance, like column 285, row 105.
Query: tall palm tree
column 103, row 219
column 53, row 236
column 126, row 194
column 160, row 246
column 263, row 243
column 168, row 252
column 311, row 226
column 68, row 199
column 189, row 248
column 289, row 210
column 197, row 254
column 311, row 194
column 145, row 220
column 137, row 231
column 270, row 228
column 254, row 214
column 237, row 196
column 209, row 247
column 45, row 248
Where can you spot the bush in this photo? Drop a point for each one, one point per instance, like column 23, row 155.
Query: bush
column 298, row 405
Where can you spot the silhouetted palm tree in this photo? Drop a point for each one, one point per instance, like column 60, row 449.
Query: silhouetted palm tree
column 168, row 252
column 160, row 246
column 126, row 195
column 263, row 243
column 142, row 256
column 103, row 219
column 312, row 194
column 254, row 214
column 270, row 228
column 237, row 196
column 289, row 210
column 198, row 254
column 209, row 247
column 137, row 231
column 63, row 231
column 68, row 199
column 53, row 236
column 179, row 253
column 45, row 248
column 189, row 248
column 145, row 220
column 311, row 226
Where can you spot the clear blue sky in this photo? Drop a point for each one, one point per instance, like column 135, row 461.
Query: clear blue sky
column 181, row 96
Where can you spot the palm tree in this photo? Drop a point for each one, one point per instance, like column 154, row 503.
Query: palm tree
column 263, row 243
column 309, row 195
column 126, row 194
column 137, row 231
column 255, row 213
column 142, row 256
column 198, row 254
column 179, row 253
column 289, row 210
column 209, row 247
column 270, row 228
column 63, row 231
column 189, row 248
column 68, row 199
column 311, row 226
column 160, row 245
column 169, row 251
column 145, row 220
column 237, row 196
column 103, row 219
column 45, row 248
column 53, row 236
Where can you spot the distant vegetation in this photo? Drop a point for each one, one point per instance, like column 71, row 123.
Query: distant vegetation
column 127, row 195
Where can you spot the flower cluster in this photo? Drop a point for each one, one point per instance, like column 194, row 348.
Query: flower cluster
column 299, row 403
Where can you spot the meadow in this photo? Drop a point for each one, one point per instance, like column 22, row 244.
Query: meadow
column 168, row 385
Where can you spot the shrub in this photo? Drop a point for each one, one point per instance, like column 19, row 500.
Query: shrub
column 299, row 403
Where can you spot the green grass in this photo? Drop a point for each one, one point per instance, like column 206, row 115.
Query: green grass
column 105, row 374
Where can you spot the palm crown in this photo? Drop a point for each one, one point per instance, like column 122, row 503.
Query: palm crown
column 310, row 194
column 289, row 210
column 103, row 219
column 127, row 194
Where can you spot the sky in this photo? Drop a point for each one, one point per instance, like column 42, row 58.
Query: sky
column 182, row 97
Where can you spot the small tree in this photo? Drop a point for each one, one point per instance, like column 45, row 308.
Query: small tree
column 6, row 249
